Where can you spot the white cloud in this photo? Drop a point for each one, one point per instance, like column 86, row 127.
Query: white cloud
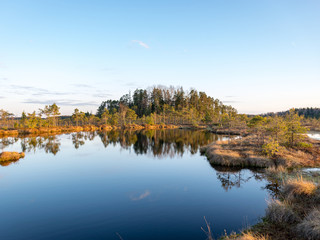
column 141, row 196
column 142, row 44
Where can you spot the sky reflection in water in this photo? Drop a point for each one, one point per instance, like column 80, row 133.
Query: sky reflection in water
column 146, row 185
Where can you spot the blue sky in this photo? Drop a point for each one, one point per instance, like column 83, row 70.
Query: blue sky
column 258, row 56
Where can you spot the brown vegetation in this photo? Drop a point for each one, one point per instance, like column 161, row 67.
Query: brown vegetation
column 295, row 215
column 246, row 152
column 251, row 236
column 11, row 156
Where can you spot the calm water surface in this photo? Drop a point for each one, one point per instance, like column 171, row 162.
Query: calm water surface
column 314, row 135
column 145, row 185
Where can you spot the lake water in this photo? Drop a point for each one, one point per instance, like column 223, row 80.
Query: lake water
column 123, row 185
column 314, row 135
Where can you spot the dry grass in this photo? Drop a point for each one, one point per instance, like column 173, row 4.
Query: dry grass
column 274, row 171
column 251, row 236
column 309, row 228
column 246, row 152
column 296, row 215
column 299, row 187
column 280, row 212
column 224, row 153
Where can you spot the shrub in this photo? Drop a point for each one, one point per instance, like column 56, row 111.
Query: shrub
column 271, row 148
column 304, row 145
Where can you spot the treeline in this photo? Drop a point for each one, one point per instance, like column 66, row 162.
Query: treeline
column 305, row 112
column 165, row 105
column 157, row 105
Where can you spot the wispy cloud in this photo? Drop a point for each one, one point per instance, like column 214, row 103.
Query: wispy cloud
column 142, row 44
column 229, row 102
column 61, row 102
column 80, row 85
column 143, row 195
column 35, row 91
column 102, row 95
column 131, row 84
column 230, row 96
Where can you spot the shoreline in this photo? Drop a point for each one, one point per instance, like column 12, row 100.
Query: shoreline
column 86, row 128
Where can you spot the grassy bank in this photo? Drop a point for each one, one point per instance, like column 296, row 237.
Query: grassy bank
column 248, row 152
column 295, row 214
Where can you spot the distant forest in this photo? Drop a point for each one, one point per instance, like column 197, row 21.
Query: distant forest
column 305, row 112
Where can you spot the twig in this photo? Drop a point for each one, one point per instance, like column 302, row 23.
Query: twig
column 208, row 232
column 119, row 236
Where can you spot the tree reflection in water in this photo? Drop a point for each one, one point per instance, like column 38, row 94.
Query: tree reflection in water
column 234, row 177
column 7, row 141
column 160, row 143
column 50, row 143
column 157, row 143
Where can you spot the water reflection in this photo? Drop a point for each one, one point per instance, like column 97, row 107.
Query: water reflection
column 5, row 142
column 235, row 177
column 157, row 143
column 172, row 195
column 160, row 143
column 51, row 144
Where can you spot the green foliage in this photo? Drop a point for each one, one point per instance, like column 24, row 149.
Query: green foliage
column 256, row 121
column 101, row 109
column 131, row 115
column 304, row 145
column 168, row 105
column 271, row 148
column 149, row 120
column 51, row 112
column 295, row 130
column 114, row 119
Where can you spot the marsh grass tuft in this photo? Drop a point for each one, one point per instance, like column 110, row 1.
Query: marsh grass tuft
column 309, row 228
column 280, row 212
column 252, row 236
column 295, row 188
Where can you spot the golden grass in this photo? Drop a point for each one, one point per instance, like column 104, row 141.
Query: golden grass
column 224, row 153
column 299, row 187
column 251, row 236
column 246, row 152
column 273, row 170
